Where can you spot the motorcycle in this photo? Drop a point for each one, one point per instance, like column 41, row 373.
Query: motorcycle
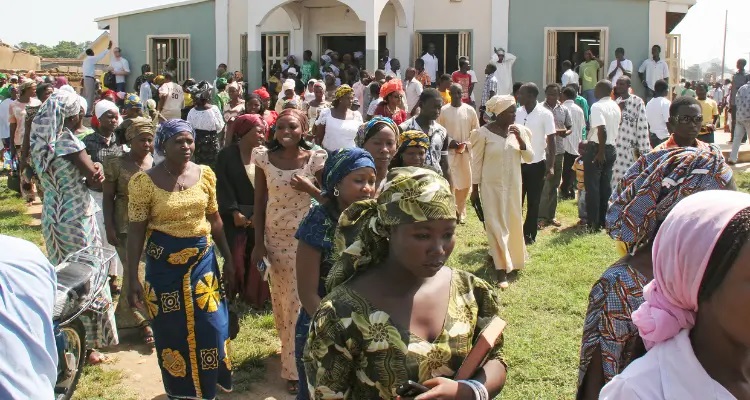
column 81, row 280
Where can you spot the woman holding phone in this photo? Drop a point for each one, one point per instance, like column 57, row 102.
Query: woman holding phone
column 364, row 342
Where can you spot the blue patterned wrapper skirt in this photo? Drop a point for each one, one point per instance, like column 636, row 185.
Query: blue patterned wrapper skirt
column 184, row 297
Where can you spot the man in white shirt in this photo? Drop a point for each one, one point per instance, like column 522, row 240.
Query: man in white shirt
column 504, row 73
column 652, row 70
column 571, row 141
column 119, row 66
column 5, row 117
column 569, row 76
column 171, row 98
column 620, row 66
column 89, row 75
column 541, row 122
column 413, row 90
column 393, row 69
column 431, row 63
column 657, row 114
column 599, row 160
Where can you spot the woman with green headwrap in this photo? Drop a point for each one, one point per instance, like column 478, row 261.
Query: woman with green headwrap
column 364, row 342
column 118, row 170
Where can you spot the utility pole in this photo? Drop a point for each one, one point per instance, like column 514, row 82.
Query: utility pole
column 724, row 54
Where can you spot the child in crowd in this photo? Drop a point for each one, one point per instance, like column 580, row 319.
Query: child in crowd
column 578, row 168
column 412, row 150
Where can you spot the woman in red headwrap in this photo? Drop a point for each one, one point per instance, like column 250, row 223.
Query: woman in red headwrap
column 392, row 93
column 257, row 103
column 235, row 177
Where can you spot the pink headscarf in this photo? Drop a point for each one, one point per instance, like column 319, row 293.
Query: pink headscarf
column 245, row 122
column 681, row 251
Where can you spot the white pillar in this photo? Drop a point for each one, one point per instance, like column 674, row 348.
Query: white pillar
column 221, row 16
column 500, row 16
column 254, row 57
column 371, row 42
column 657, row 24
column 404, row 30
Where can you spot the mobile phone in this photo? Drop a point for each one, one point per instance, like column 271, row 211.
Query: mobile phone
column 411, row 389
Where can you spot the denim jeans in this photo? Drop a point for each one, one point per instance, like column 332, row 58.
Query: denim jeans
column 590, row 96
column 740, row 130
column 300, row 338
column 598, row 182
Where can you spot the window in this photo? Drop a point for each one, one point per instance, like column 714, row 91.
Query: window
column 163, row 49
column 275, row 49
column 243, row 55
column 449, row 47
column 563, row 44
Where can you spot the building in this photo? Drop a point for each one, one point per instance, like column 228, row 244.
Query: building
column 252, row 35
column 98, row 45
column 13, row 58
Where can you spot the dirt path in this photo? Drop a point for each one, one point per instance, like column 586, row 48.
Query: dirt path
column 140, row 367
column 142, row 374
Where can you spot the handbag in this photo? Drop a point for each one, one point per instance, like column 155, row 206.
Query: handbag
column 478, row 354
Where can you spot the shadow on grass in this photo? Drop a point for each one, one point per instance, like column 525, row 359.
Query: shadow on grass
column 567, row 235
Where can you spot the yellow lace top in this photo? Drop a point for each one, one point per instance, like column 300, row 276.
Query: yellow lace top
column 180, row 214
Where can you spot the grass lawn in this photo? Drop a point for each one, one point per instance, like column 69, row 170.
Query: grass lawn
column 544, row 308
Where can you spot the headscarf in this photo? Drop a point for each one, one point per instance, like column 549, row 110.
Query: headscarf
column 321, row 84
column 110, row 94
column 682, row 250
column 147, row 76
column 68, row 88
column 139, row 126
column 201, row 90
column 498, row 104
column 151, row 105
column 170, row 128
column 221, row 83
column 409, row 195
column 84, row 103
column 394, row 85
column 60, row 81
column 326, row 58
column 47, row 127
column 133, row 101
column 342, row 91
column 263, row 93
column 413, row 138
column 289, row 84
column 3, row 76
column 655, row 184
column 159, row 79
column 299, row 115
column 341, row 163
column 245, row 122
column 235, row 85
column 366, row 131
column 25, row 85
column 103, row 106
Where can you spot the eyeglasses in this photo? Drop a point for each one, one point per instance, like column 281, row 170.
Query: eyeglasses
column 687, row 119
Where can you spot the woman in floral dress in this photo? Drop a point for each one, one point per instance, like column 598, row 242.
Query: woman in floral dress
column 364, row 342
column 284, row 190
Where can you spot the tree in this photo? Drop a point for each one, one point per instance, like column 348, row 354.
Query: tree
column 693, row 73
column 63, row 49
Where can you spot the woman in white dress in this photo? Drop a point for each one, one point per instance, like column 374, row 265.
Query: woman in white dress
column 337, row 127
column 208, row 121
column 498, row 149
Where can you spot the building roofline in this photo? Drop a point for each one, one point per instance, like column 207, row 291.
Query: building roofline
column 149, row 9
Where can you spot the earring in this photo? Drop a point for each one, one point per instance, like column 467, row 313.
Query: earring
column 336, row 192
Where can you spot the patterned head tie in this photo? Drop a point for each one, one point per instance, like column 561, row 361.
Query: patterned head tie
column 409, row 195
column 373, row 126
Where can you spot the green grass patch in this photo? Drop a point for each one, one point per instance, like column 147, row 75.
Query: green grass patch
column 100, row 384
column 13, row 218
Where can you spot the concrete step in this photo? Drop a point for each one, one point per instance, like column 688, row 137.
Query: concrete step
column 722, row 140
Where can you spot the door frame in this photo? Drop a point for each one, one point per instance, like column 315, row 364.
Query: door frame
column 603, row 49
column 320, row 36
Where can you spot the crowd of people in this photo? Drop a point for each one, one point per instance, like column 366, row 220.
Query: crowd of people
column 336, row 193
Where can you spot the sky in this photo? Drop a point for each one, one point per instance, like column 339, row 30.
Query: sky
column 702, row 29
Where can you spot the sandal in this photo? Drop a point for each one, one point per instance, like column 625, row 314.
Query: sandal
column 556, row 223
column 148, row 336
column 541, row 225
column 292, row 387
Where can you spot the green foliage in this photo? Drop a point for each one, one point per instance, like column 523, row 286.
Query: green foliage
column 63, row 49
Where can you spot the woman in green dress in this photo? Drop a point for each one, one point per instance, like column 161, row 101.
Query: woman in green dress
column 364, row 342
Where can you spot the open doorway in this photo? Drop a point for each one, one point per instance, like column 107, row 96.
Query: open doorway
column 570, row 44
column 347, row 44
column 449, row 47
